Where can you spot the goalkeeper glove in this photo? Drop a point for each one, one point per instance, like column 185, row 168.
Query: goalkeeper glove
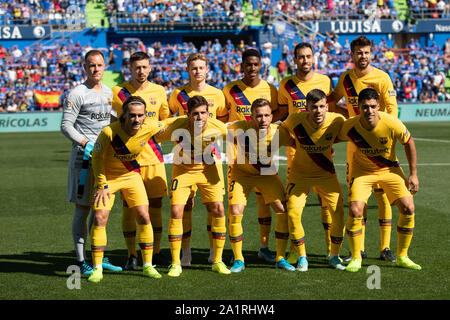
column 88, row 147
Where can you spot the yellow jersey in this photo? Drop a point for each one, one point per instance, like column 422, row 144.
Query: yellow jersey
column 117, row 154
column 375, row 148
column 313, row 151
column 239, row 98
column 216, row 101
column 192, row 152
column 252, row 152
column 292, row 91
column 349, row 86
column 157, row 108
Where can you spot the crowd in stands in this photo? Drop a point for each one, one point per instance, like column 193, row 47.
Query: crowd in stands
column 211, row 11
column 149, row 11
column 26, row 12
column 418, row 73
column 44, row 68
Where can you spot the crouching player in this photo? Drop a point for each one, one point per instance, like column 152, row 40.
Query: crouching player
column 197, row 164
column 254, row 140
column 374, row 134
column 116, row 168
column 314, row 132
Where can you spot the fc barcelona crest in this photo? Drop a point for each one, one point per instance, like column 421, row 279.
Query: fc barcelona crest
column 383, row 140
column 328, row 136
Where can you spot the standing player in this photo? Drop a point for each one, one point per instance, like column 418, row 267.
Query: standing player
column 196, row 163
column 197, row 67
column 292, row 99
column 315, row 132
column 116, row 168
column 239, row 96
column 249, row 170
column 350, row 83
column 374, row 135
column 87, row 111
column 153, row 171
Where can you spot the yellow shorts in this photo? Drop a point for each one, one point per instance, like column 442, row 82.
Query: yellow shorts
column 131, row 187
column 290, row 159
column 270, row 187
column 393, row 183
column 209, row 182
column 351, row 149
column 155, row 181
column 328, row 188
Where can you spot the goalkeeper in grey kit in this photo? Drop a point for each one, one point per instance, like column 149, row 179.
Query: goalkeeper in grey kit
column 87, row 110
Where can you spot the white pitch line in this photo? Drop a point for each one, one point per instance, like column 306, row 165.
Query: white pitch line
column 431, row 140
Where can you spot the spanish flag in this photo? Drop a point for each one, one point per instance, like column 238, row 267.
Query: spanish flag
column 47, row 99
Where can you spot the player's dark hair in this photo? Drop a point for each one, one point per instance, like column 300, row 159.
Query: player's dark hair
column 368, row 94
column 93, row 52
column 315, row 95
column 301, row 46
column 251, row 53
column 361, row 41
column 138, row 56
column 261, row 102
column 130, row 101
column 196, row 101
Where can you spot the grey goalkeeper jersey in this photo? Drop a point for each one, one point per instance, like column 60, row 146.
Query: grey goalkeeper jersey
column 86, row 113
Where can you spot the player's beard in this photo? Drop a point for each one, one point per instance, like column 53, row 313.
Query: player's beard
column 363, row 65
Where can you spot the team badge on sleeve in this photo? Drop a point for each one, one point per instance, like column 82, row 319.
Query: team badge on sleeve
column 392, row 93
column 383, row 140
column 67, row 104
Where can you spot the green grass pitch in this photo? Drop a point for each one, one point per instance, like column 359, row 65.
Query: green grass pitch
column 36, row 243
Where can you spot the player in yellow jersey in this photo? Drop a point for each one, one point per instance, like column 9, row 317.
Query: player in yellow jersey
column 153, row 171
column 196, row 163
column 197, row 67
column 374, row 135
column 314, row 132
column 115, row 167
column 350, row 83
column 239, row 96
column 255, row 142
column 292, row 99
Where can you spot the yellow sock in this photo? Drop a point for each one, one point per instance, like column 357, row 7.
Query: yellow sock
column 337, row 228
column 187, row 229
column 98, row 244
column 175, row 231
column 208, row 228
column 295, row 207
column 218, row 230
column 363, row 230
column 354, row 233
column 264, row 219
column 281, row 234
column 326, row 222
column 384, row 218
column 156, row 220
column 145, row 240
column 236, row 236
column 405, row 229
column 129, row 229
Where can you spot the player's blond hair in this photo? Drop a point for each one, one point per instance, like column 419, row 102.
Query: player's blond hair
column 196, row 56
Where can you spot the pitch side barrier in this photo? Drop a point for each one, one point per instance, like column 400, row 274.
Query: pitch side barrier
column 51, row 120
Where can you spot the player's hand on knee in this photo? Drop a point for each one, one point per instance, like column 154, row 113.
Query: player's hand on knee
column 413, row 184
column 101, row 196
